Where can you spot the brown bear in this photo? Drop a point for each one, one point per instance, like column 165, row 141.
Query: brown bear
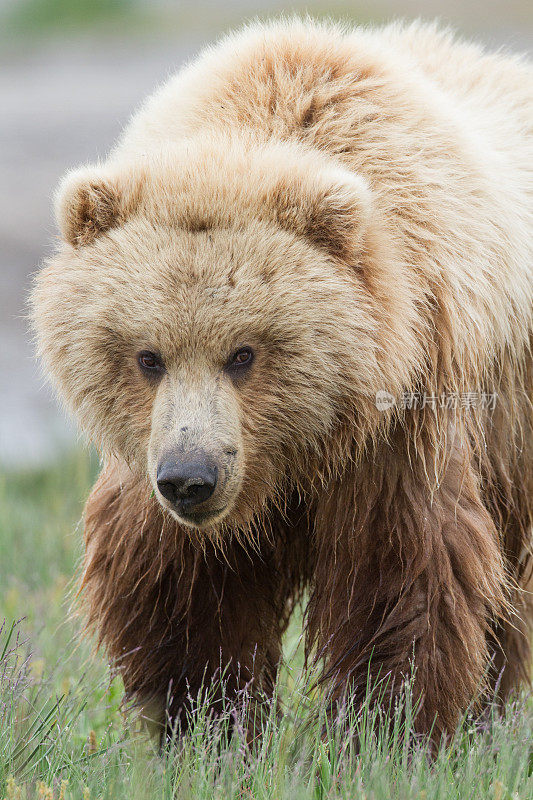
column 294, row 310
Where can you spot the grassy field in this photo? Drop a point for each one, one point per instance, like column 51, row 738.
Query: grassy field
column 63, row 733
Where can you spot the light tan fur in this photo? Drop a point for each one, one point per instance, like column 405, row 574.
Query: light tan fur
column 357, row 207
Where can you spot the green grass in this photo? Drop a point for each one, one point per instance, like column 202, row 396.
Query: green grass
column 49, row 15
column 61, row 718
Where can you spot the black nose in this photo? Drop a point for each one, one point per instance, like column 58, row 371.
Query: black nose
column 188, row 482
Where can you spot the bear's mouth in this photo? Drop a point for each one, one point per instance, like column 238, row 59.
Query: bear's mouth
column 201, row 519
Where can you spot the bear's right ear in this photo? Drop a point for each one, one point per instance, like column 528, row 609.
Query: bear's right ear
column 328, row 204
column 89, row 203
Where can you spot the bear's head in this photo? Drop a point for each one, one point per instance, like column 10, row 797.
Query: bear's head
column 214, row 315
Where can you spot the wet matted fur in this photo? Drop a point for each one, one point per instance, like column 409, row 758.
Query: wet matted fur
column 357, row 207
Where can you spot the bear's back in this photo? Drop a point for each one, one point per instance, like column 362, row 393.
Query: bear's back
column 323, row 84
column 441, row 132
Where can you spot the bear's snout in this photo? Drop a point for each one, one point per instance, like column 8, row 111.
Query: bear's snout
column 195, row 452
column 196, row 485
column 187, row 481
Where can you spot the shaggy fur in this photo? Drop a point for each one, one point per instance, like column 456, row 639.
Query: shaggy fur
column 357, row 207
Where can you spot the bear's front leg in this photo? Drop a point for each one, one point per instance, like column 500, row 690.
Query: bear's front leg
column 407, row 568
column 177, row 616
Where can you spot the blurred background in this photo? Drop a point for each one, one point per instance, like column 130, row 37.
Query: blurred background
column 71, row 72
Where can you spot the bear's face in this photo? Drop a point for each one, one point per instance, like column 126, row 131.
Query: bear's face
column 215, row 342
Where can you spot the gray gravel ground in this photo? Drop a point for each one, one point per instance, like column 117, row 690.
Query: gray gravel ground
column 62, row 103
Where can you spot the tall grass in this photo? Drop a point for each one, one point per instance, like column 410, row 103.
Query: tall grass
column 63, row 733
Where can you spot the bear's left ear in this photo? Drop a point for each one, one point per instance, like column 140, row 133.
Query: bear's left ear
column 331, row 208
column 89, row 202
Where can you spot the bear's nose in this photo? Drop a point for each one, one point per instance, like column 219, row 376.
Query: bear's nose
column 186, row 483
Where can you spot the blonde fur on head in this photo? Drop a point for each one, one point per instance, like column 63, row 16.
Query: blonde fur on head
column 352, row 210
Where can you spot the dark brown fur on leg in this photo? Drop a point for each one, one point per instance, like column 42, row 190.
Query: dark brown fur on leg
column 403, row 572
column 176, row 614
column 508, row 481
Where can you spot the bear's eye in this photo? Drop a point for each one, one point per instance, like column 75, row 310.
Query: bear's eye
column 150, row 363
column 240, row 360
